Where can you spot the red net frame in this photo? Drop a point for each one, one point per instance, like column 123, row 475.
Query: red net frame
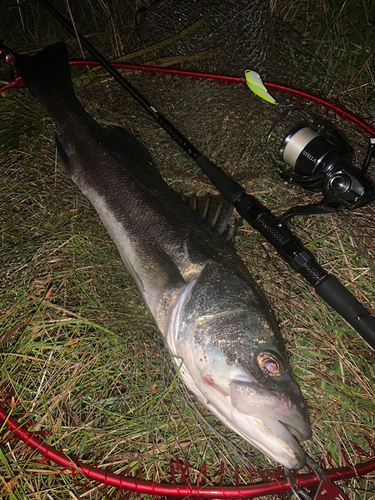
column 273, row 481
column 277, row 486
column 336, row 108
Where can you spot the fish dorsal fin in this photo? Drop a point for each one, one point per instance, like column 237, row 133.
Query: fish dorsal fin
column 217, row 212
column 127, row 142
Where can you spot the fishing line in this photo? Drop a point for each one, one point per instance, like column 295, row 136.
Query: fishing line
column 337, row 109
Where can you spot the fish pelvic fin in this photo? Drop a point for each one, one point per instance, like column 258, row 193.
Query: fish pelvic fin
column 159, row 269
column 161, row 282
column 62, row 152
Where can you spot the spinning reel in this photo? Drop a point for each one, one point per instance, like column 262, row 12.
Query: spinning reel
column 316, row 156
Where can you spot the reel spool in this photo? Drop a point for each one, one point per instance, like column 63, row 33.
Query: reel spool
column 316, row 156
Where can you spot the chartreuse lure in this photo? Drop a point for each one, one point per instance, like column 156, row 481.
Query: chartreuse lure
column 255, row 84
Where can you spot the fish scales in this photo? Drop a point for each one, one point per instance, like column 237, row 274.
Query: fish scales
column 205, row 303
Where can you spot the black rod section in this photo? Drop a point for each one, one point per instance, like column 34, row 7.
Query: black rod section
column 162, row 121
column 293, row 252
column 287, row 245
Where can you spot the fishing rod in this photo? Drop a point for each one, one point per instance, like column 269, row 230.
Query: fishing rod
column 288, row 246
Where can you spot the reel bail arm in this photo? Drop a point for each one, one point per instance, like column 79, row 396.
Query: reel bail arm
column 369, row 155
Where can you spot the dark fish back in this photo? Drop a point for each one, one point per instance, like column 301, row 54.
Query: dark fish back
column 101, row 154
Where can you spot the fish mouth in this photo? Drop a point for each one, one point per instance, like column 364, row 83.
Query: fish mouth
column 283, row 421
column 295, row 432
column 297, row 426
column 286, row 431
column 284, row 415
column 280, row 441
column 290, row 429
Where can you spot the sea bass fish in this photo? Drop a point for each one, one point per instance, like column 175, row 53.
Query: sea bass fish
column 212, row 317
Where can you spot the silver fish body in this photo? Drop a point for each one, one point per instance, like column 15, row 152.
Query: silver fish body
column 206, row 305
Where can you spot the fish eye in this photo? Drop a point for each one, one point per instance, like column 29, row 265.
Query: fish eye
column 270, row 363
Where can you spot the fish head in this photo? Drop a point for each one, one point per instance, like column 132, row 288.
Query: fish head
column 253, row 387
column 238, row 367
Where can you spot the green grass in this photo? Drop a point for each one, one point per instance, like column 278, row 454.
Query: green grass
column 77, row 346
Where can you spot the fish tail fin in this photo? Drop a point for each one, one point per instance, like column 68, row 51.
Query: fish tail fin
column 47, row 74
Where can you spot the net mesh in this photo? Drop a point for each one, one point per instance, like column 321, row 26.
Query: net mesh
column 221, row 35
column 82, row 356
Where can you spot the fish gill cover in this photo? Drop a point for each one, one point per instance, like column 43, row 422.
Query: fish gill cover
column 80, row 351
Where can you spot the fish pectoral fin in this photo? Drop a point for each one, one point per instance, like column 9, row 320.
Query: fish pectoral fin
column 159, row 269
column 62, row 152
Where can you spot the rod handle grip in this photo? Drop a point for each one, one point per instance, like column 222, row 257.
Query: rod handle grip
column 338, row 297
